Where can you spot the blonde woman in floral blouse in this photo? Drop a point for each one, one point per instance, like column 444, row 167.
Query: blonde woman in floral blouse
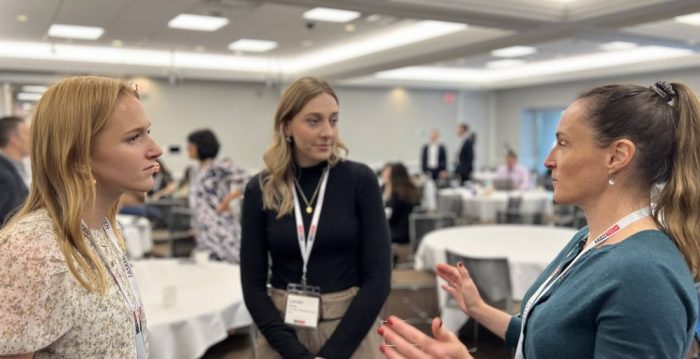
column 67, row 289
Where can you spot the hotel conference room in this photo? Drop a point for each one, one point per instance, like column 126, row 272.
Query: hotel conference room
column 418, row 83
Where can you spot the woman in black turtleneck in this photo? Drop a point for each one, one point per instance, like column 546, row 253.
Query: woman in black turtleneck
column 350, row 258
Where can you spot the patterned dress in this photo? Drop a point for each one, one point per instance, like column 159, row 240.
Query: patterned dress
column 43, row 307
column 218, row 233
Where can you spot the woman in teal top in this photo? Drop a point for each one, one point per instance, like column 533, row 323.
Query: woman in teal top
column 623, row 287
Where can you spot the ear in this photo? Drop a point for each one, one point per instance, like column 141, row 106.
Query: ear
column 285, row 129
column 620, row 154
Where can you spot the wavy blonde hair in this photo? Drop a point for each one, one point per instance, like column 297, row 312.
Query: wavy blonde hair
column 66, row 120
column 667, row 137
column 279, row 157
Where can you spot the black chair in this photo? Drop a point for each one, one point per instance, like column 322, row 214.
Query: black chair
column 420, row 224
column 492, row 278
column 512, row 214
column 180, row 235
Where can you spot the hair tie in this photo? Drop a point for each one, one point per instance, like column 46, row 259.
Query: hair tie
column 665, row 90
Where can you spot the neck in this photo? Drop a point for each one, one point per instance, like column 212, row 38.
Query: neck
column 614, row 206
column 93, row 215
column 203, row 163
column 12, row 154
column 305, row 163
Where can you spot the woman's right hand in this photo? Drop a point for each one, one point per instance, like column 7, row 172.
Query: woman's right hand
column 461, row 287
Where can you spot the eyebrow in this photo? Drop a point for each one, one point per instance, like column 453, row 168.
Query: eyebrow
column 140, row 128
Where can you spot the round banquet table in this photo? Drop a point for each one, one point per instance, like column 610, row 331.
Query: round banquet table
column 207, row 303
column 529, row 249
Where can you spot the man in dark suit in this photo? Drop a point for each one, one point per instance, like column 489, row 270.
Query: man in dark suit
column 434, row 157
column 465, row 156
column 14, row 146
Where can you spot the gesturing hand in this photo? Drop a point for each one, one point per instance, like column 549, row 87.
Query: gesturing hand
column 404, row 341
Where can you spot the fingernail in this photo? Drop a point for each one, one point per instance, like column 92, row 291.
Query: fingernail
column 382, row 348
column 388, row 322
column 440, row 319
column 460, row 264
column 381, row 331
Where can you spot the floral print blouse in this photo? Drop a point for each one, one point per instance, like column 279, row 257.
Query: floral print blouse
column 45, row 310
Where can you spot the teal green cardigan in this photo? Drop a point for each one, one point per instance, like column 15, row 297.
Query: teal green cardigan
column 632, row 299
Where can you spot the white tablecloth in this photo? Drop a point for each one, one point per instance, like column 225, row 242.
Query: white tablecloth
column 483, row 204
column 209, row 303
column 137, row 235
column 529, row 250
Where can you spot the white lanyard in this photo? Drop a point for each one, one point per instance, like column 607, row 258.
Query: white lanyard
column 306, row 244
column 135, row 307
column 556, row 275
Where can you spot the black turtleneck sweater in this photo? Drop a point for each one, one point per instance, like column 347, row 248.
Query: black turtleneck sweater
column 352, row 248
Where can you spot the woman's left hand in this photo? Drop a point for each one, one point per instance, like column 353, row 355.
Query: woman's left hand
column 405, row 341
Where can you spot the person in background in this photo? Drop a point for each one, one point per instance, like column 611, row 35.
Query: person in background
column 163, row 184
column 14, row 147
column 514, row 172
column 465, row 156
column 344, row 263
column 401, row 195
column 623, row 286
column 213, row 185
column 67, row 288
column 434, row 157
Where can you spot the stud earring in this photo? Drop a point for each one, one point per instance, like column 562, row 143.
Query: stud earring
column 289, row 139
column 611, row 181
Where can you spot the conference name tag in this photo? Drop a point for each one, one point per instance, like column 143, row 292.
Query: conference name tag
column 303, row 306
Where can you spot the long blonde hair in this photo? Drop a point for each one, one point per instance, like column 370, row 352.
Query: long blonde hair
column 279, row 157
column 66, row 120
column 663, row 121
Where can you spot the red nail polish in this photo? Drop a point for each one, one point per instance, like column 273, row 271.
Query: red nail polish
column 460, row 264
column 382, row 348
column 389, row 322
column 381, row 331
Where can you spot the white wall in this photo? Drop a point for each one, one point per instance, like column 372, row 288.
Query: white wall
column 378, row 125
column 511, row 103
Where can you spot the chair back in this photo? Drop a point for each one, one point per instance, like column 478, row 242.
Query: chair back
column 491, row 277
column 420, row 224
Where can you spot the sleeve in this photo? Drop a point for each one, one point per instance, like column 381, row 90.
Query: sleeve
column 626, row 326
column 35, row 309
column 513, row 331
column 235, row 177
column 254, row 271
column 424, row 159
column 375, row 271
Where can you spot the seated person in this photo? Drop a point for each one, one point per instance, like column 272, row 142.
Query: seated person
column 400, row 196
column 515, row 172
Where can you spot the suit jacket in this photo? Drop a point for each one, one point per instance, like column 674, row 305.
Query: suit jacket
column 13, row 191
column 466, row 156
column 442, row 159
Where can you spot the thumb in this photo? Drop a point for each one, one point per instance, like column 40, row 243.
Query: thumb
column 439, row 332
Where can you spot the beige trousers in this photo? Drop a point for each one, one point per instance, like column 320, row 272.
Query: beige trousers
column 333, row 307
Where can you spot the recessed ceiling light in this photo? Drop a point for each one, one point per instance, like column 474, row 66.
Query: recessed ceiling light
column 76, row 32
column 33, row 88
column 514, row 51
column 349, row 27
column 331, row 15
column 501, row 64
column 197, row 22
column 690, row 19
column 117, row 43
column 26, row 96
column 617, row 46
column 22, row 18
column 251, row 45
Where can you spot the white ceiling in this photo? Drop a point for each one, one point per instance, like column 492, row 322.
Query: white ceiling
column 560, row 29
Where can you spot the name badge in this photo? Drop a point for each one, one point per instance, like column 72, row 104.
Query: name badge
column 303, row 305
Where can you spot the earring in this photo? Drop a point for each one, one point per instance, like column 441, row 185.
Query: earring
column 289, row 139
column 611, row 181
